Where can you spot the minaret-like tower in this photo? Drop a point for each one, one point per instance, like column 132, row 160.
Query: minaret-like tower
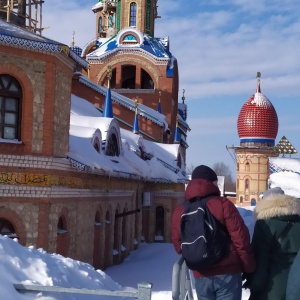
column 115, row 15
column 257, row 128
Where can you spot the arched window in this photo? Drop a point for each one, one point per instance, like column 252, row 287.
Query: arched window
column 132, row 21
column 112, row 146
column 100, row 26
column 160, row 222
column 6, row 228
column 10, row 107
column 247, row 183
column 97, row 144
column 146, row 80
column 247, row 167
column 128, row 77
column 179, row 160
column 61, row 226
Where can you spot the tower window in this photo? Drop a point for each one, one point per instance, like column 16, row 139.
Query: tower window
column 100, row 26
column 132, row 21
column 112, row 146
column 247, row 183
column 10, row 107
column 128, row 77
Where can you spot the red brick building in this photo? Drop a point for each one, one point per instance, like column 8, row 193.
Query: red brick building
column 51, row 194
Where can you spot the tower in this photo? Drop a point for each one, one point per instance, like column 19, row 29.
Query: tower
column 142, row 65
column 115, row 15
column 257, row 129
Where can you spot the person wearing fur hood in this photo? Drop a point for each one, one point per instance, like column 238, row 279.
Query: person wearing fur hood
column 275, row 244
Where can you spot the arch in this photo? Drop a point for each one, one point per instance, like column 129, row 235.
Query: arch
column 63, row 239
column 112, row 148
column 132, row 16
column 111, row 143
column 128, row 76
column 159, row 223
column 247, row 183
column 10, row 107
column 97, row 241
column 146, row 80
column 149, row 68
column 100, row 25
column 97, row 140
column 247, row 167
column 11, row 217
column 107, row 238
column 6, row 228
column 124, row 230
column 28, row 95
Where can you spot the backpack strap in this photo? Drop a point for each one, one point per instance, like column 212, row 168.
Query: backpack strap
column 282, row 235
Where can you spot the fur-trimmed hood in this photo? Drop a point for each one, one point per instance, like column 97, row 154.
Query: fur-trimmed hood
column 277, row 205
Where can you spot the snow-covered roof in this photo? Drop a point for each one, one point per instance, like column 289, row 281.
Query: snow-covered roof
column 143, row 110
column 285, row 173
column 86, row 119
column 156, row 49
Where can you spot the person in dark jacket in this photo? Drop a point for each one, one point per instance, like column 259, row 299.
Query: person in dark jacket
column 275, row 241
column 223, row 280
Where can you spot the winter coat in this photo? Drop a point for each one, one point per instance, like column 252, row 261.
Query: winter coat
column 240, row 258
column 274, row 259
column 293, row 284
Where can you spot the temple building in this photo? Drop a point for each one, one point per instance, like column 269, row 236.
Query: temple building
column 93, row 140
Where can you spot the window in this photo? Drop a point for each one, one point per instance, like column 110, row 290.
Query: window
column 61, row 226
column 146, row 80
column 97, row 144
column 132, row 21
column 128, row 77
column 6, row 228
column 100, row 27
column 247, row 167
column 10, row 107
column 112, row 148
column 247, row 183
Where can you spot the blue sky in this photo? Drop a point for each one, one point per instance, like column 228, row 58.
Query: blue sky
column 220, row 45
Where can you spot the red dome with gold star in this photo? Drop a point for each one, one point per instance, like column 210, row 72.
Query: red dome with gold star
column 258, row 122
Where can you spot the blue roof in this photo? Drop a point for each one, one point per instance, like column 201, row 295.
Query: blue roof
column 157, row 47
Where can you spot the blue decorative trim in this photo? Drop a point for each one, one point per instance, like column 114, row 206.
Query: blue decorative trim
column 25, row 43
column 257, row 140
column 76, row 164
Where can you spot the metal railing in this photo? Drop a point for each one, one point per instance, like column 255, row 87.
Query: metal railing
column 143, row 292
column 181, row 282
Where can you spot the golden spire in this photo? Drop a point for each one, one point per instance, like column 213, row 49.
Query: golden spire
column 73, row 39
column 136, row 104
column 183, row 98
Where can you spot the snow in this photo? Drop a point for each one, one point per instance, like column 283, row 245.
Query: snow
column 151, row 263
column 87, row 123
column 261, row 100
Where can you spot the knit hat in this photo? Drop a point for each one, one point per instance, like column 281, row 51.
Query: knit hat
column 274, row 191
column 204, row 172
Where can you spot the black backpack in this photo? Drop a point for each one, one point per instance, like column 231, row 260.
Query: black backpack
column 204, row 240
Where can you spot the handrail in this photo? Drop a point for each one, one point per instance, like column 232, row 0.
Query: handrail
column 181, row 281
column 143, row 293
